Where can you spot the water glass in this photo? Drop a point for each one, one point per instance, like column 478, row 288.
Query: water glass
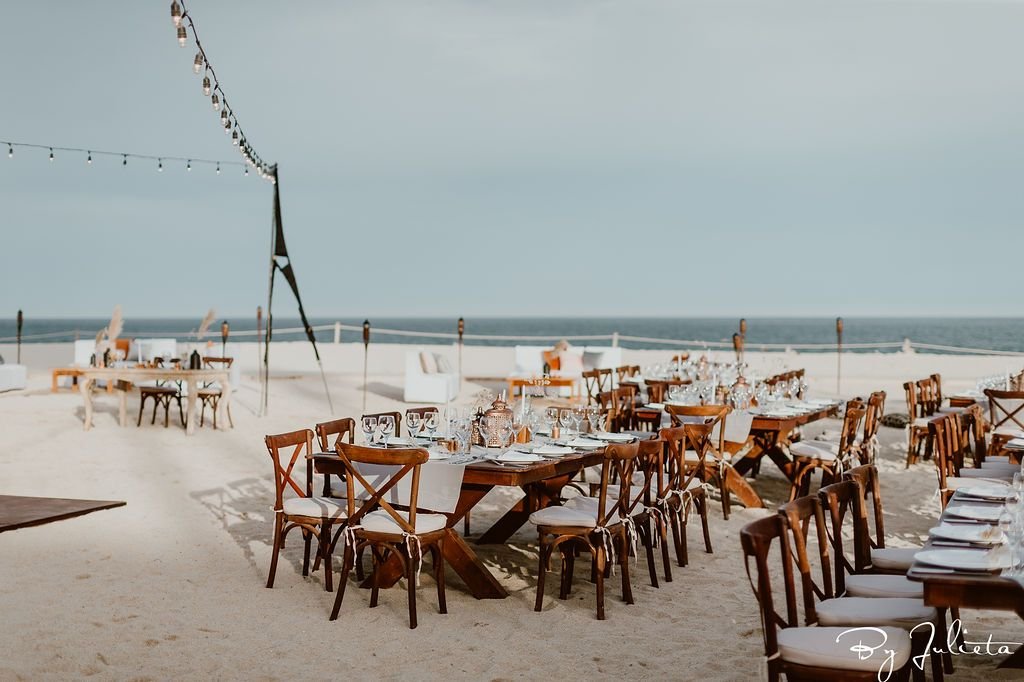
column 414, row 423
column 432, row 421
column 387, row 427
column 369, row 425
column 565, row 419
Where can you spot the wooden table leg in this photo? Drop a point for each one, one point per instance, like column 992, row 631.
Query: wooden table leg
column 190, row 410
column 738, row 486
column 85, row 387
column 123, row 407
column 464, row 561
column 223, row 403
column 53, row 381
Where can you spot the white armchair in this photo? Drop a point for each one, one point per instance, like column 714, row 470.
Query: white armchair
column 12, row 377
column 426, row 381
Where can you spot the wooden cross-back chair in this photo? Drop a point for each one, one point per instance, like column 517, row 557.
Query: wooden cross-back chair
column 649, row 491
column 927, row 396
column 378, row 525
column 295, row 506
column 830, row 458
column 329, row 434
column 604, row 528
column 161, row 393
column 625, row 407
column 803, row 520
column 947, row 455
column 396, row 415
column 657, row 390
column 1006, row 418
column 807, row 653
column 682, row 490
column 423, row 412
column 593, row 385
column 917, row 428
column 875, row 408
column 1017, row 381
column 705, row 434
column 211, row 394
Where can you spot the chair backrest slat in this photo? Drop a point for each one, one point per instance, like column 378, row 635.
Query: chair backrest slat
column 757, row 539
column 286, row 450
column 405, row 460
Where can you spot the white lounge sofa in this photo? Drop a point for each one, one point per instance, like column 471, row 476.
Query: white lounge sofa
column 425, row 382
column 13, row 377
column 529, row 361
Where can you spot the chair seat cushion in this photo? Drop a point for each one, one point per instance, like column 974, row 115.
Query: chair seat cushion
column 922, row 422
column 950, row 410
column 1009, row 431
column 316, row 507
column 895, row 611
column 574, row 515
column 380, row 521
column 883, row 585
column 894, row 558
column 829, row 647
column 987, row 472
column 814, row 449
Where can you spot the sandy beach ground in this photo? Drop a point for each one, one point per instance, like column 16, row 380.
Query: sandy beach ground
column 171, row 585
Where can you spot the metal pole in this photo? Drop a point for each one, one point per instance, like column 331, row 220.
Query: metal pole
column 21, row 321
column 366, row 356
column 462, row 330
column 259, row 352
column 839, row 354
column 743, row 339
column 224, row 331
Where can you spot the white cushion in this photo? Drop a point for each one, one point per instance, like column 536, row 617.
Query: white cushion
column 987, row 472
column 1002, row 459
column 1011, row 431
column 380, row 521
column 923, row 421
column 883, row 585
column 999, row 467
column 567, row 515
column 894, row 558
column 443, row 365
column 814, row 449
column 570, row 363
column 819, row 647
column 317, row 507
column 895, row 611
column 427, row 362
column 950, row 410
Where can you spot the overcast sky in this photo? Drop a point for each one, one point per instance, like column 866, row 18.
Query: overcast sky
column 522, row 157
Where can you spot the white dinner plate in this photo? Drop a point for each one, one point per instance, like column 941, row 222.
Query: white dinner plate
column 965, row 559
column 516, row 456
column 436, row 454
column 1014, row 444
column 976, row 512
column 984, row 534
column 585, row 444
column 552, row 451
column 986, row 492
column 407, row 442
column 612, row 437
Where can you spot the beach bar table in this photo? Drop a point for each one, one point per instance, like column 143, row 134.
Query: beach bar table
column 542, row 483
column 970, row 590
column 191, row 377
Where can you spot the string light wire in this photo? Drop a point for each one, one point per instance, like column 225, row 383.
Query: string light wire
column 90, row 152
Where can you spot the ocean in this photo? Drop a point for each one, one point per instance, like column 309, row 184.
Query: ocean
column 999, row 334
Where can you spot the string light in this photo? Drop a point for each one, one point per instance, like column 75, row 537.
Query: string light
column 212, row 88
column 89, row 153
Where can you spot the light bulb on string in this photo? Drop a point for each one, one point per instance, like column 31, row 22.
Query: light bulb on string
column 182, row 35
column 198, row 63
column 10, row 151
column 176, row 13
column 246, row 171
column 89, row 160
column 218, row 168
column 215, row 101
column 234, row 138
column 51, row 153
column 206, row 86
column 159, row 165
column 124, row 159
column 224, row 117
column 188, row 166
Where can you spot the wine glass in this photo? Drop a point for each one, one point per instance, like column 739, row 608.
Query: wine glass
column 579, row 413
column 551, row 418
column 369, row 428
column 463, row 432
column 387, row 427
column 432, row 421
column 565, row 419
column 520, row 420
column 484, row 427
column 414, row 424
column 505, row 431
column 598, row 420
column 675, row 393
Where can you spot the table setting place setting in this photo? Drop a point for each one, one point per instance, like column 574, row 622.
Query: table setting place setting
column 980, row 533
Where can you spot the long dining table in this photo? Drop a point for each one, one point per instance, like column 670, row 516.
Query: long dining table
column 541, row 482
column 949, row 588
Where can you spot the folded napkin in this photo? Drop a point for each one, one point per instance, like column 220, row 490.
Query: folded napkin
column 517, row 456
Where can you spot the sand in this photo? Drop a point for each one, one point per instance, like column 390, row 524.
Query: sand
column 172, row 585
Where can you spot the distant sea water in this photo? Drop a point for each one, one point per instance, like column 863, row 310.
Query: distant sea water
column 1000, row 334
